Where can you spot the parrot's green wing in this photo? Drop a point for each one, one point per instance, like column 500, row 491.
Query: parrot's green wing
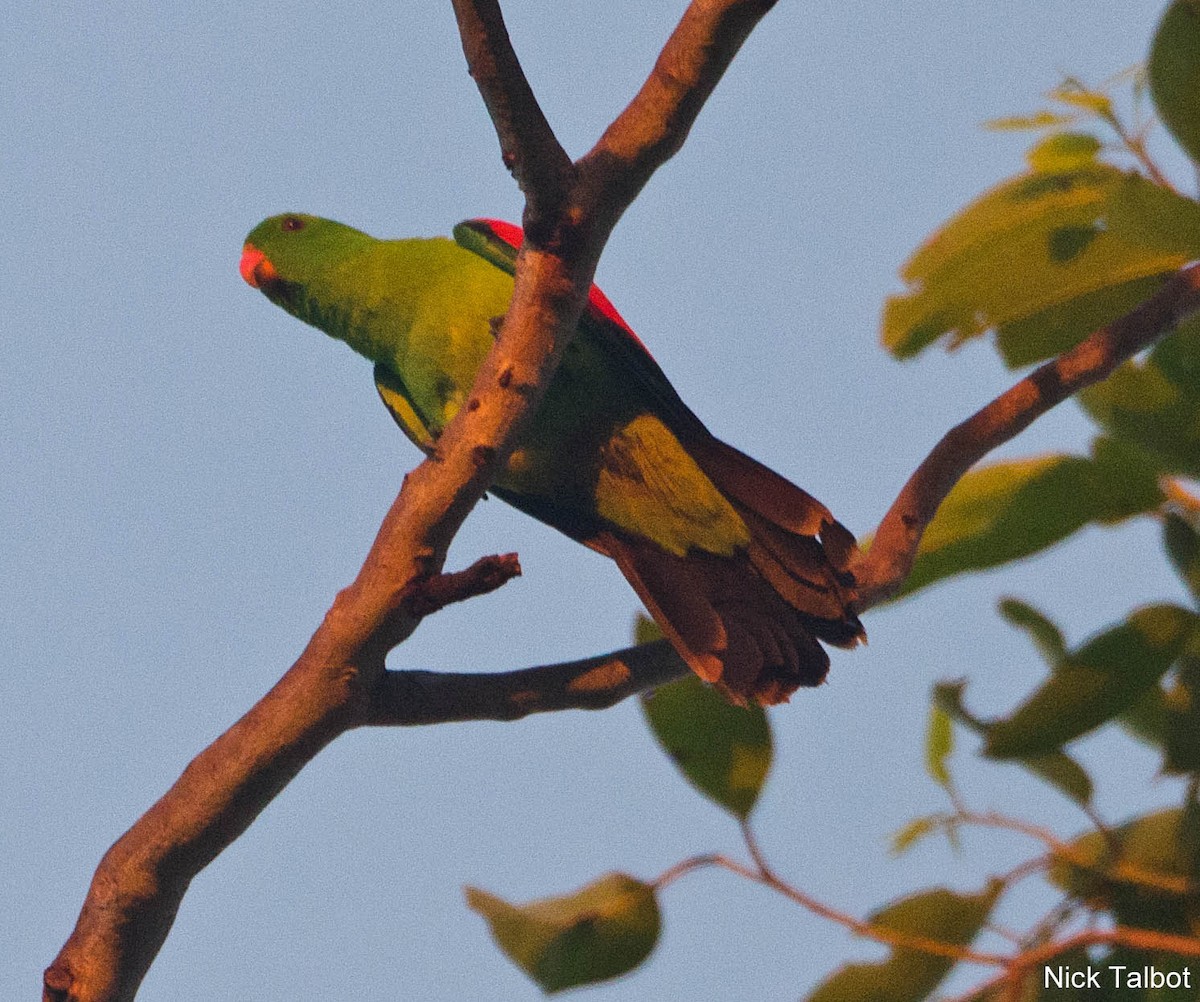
column 796, row 544
column 750, row 484
column 398, row 401
column 497, row 242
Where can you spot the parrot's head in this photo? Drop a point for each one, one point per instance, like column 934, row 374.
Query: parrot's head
column 283, row 255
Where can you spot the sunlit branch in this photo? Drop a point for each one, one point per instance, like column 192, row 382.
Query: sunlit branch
column 407, row 698
column 339, row 681
column 885, row 566
column 878, row 933
column 528, row 145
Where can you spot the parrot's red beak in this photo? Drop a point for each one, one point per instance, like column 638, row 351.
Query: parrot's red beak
column 255, row 267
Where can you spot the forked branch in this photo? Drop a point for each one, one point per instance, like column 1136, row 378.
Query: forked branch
column 339, row 682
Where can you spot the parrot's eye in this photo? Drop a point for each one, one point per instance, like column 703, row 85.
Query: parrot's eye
column 291, row 223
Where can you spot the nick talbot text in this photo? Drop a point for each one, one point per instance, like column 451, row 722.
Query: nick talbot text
column 1115, row 976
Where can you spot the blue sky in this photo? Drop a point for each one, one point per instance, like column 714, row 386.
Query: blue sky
column 189, row 474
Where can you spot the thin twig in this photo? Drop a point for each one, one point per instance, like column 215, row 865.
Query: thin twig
column 764, row 874
column 878, row 933
column 528, row 146
column 657, row 121
column 993, row 819
column 1136, row 145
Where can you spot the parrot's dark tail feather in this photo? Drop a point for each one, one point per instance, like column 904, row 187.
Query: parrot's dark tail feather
column 726, row 620
column 750, row 623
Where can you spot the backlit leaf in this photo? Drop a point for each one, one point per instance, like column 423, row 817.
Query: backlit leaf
column 1056, row 767
column 1078, row 96
column 1052, row 331
column 1181, row 717
column 601, row 931
column 909, row 975
column 915, row 831
column 1144, row 213
column 1064, row 151
column 1183, row 547
column 939, row 743
column 1034, row 243
column 1008, row 510
column 1045, row 634
column 1154, row 404
column 1151, row 883
column 1062, row 772
column 1044, row 119
column 723, row 750
column 1174, row 71
column 1096, row 683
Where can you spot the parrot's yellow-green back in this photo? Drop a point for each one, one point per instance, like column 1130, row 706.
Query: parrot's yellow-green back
column 740, row 568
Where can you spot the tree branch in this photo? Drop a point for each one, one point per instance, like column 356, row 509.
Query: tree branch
column 339, row 682
column 656, row 122
column 883, row 569
column 895, row 938
column 406, row 698
column 528, row 146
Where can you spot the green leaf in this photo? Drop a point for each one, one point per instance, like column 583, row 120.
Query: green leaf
column 1062, row 772
column 1052, row 331
column 1034, row 243
column 1044, row 119
column 1151, row 883
column 1077, row 96
column 1064, row 151
column 1154, row 405
column 724, row 751
column 910, row 975
column 1007, row 510
column 939, row 743
column 601, row 931
column 1057, row 767
column 1180, row 717
column 915, row 831
column 949, row 697
column 1031, row 986
column 1096, row 683
column 1146, row 719
column 1177, row 357
column 1183, row 547
column 1174, row 71
column 1044, row 633
column 645, row 630
column 1144, row 213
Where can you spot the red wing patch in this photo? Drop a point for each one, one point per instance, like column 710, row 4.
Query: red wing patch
column 599, row 306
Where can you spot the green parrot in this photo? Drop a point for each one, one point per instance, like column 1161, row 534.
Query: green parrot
column 742, row 570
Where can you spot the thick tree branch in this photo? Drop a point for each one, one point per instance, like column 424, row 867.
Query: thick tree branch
column 337, row 681
column 884, row 568
column 422, row 697
column 528, row 146
column 657, row 121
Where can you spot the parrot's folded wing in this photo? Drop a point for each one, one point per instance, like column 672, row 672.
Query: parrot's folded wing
column 398, row 401
column 748, row 623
